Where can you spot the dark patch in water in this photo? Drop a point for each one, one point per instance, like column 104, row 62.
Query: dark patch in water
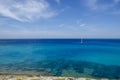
column 57, row 67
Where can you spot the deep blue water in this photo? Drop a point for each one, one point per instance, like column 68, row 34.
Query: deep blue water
column 100, row 51
column 105, row 51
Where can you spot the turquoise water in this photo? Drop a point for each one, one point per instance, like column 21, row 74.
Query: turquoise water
column 100, row 52
column 93, row 51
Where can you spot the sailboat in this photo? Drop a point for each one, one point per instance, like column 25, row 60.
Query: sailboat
column 81, row 41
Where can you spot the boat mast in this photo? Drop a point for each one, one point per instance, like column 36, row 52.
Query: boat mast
column 81, row 40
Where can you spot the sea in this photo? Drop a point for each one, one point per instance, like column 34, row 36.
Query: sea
column 98, row 58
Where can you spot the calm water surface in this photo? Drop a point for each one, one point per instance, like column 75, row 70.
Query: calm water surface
column 98, row 51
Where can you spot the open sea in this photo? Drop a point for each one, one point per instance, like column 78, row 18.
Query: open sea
column 99, row 58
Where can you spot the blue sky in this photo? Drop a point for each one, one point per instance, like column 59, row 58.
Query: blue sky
column 59, row 18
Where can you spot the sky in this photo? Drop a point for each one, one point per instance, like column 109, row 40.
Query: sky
column 59, row 19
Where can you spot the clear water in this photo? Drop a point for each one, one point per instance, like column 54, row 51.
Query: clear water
column 98, row 51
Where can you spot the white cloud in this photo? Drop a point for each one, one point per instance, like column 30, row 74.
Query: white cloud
column 58, row 1
column 25, row 10
column 61, row 25
column 99, row 4
column 103, row 5
column 116, row 1
column 82, row 25
column 91, row 4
